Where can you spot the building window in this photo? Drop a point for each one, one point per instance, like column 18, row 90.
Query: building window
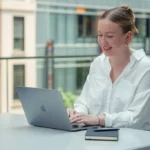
column 18, row 78
column 141, row 25
column 87, row 26
column 19, row 33
column 139, row 40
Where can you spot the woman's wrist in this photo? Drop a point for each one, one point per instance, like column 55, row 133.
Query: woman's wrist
column 98, row 120
column 101, row 119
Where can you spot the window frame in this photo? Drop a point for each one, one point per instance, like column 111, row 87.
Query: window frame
column 24, row 79
column 23, row 38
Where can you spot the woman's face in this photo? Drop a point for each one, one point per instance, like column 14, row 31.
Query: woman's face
column 111, row 38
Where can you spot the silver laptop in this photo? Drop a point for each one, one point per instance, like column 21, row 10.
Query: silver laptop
column 45, row 108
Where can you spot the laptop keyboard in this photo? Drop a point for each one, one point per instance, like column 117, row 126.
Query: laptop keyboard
column 78, row 125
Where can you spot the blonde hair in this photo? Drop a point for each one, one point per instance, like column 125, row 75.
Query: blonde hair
column 123, row 16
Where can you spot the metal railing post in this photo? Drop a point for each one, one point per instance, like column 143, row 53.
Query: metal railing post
column 7, row 100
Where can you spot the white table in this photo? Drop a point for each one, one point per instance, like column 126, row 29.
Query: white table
column 16, row 134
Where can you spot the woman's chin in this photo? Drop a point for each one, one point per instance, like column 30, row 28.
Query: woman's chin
column 108, row 52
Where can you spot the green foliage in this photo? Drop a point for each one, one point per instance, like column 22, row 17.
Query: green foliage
column 69, row 98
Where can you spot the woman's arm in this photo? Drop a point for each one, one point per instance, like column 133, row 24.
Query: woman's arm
column 82, row 102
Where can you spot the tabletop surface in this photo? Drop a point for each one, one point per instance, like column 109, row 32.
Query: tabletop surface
column 17, row 134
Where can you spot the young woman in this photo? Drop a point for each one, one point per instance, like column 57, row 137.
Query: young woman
column 117, row 90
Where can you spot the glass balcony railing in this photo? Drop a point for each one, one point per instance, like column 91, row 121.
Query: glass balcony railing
column 66, row 74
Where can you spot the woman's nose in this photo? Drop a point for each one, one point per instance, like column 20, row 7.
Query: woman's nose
column 102, row 40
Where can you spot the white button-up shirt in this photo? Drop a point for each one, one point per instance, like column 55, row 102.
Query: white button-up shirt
column 126, row 102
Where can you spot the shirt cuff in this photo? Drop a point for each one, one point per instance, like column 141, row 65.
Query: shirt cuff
column 108, row 120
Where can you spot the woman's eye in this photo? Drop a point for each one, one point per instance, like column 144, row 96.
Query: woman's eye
column 110, row 36
column 99, row 35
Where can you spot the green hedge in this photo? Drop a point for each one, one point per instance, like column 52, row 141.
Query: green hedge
column 69, row 98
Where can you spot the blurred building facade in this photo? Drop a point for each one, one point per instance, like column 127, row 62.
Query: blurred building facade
column 72, row 26
column 17, row 38
column 27, row 25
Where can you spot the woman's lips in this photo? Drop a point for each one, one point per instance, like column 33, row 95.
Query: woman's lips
column 107, row 48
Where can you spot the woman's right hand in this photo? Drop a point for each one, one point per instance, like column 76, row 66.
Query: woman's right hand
column 71, row 112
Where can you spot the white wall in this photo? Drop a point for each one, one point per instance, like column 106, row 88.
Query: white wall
column 9, row 10
column 18, row 5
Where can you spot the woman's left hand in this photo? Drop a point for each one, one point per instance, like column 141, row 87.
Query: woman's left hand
column 86, row 119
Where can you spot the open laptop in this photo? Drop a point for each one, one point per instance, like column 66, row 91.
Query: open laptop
column 45, row 108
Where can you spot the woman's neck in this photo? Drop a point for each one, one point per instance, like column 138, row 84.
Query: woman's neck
column 121, row 60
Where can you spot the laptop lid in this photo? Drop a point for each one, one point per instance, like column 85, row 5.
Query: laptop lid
column 45, row 108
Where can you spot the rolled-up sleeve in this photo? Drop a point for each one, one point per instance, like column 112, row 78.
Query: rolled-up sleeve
column 81, row 104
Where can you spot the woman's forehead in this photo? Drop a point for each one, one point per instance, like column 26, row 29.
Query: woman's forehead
column 108, row 26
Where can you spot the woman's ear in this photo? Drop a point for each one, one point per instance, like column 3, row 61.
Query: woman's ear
column 128, row 37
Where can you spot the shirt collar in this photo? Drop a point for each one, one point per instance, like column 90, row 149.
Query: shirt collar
column 138, row 54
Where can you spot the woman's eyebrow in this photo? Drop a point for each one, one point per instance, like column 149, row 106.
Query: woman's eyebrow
column 110, row 32
column 106, row 32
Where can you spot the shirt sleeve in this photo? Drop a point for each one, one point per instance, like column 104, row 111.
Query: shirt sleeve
column 137, row 115
column 82, row 102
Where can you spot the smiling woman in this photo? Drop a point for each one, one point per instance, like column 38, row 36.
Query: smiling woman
column 117, row 90
column 115, row 29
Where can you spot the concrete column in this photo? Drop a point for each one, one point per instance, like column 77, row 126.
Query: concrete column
column 61, row 28
column 71, row 28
